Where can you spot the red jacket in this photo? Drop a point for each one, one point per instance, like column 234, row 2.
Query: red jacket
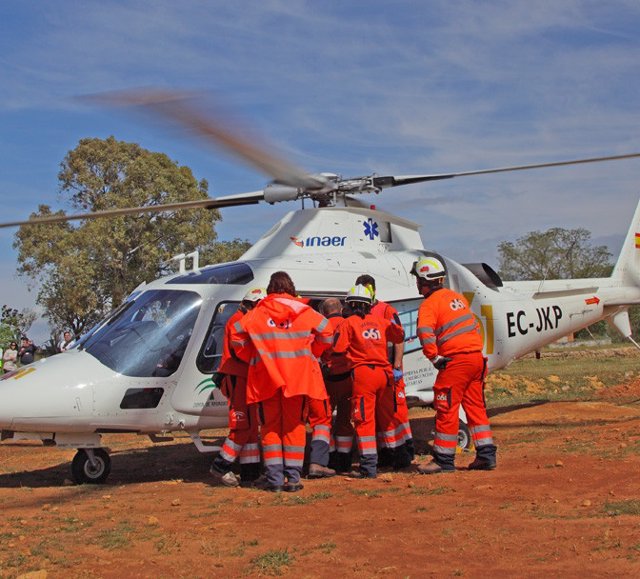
column 230, row 363
column 385, row 310
column 281, row 339
column 365, row 339
column 447, row 326
column 335, row 363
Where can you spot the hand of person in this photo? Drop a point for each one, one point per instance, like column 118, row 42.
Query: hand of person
column 397, row 374
column 440, row 362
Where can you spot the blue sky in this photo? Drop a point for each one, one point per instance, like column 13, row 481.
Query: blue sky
column 414, row 86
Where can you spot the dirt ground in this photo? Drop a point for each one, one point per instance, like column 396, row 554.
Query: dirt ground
column 564, row 501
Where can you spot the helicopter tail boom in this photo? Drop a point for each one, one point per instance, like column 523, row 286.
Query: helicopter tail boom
column 627, row 268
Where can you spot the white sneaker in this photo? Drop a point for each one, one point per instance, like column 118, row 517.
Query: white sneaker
column 227, row 479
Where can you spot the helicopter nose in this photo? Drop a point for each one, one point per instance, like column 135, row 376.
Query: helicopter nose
column 50, row 393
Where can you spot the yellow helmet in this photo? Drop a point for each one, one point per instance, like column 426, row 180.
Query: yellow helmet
column 360, row 293
column 429, row 268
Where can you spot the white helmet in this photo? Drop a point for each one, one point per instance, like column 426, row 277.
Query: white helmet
column 255, row 295
column 429, row 268
column 360, row 293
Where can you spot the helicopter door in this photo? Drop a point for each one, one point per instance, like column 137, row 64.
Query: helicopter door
column 419, row 373
column 202, row 396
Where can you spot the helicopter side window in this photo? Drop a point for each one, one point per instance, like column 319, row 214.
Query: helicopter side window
column 149, row 337
column 408, row 314
column 210, row 354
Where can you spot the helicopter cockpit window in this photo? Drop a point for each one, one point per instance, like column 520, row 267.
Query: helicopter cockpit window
column 149, row 337
column 211, row 351
column 227, row 274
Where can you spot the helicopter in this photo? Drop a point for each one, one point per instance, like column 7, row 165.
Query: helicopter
column 149, row 366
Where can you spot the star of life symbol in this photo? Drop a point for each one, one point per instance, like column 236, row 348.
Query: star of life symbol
column 371, row 229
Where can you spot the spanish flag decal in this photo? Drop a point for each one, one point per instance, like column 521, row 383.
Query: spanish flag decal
column 637, row 240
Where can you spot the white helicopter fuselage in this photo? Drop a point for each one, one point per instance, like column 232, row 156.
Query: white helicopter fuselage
column 149, row 367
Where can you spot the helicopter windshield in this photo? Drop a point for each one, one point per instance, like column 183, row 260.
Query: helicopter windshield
column 148, row 337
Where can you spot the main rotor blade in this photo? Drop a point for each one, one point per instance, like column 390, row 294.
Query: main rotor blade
column 395, row 181
column 211, row 203
column 181, row 108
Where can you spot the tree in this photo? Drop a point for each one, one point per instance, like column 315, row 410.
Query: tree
column 88, row 269
column 223, row 251
column 15, row 323
column 7, row 335
column 553, row 254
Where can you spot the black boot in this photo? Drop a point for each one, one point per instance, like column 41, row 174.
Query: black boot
column 402, row 458
column 249, row 473
column 343, row 462
column 386, row 457
column 485, row 458
column 410, row 447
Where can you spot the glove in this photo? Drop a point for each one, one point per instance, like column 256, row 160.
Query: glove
column 397, row 374
column 440, row 362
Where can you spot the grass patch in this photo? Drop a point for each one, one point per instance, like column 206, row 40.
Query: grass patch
column 297, row 500
column 272, row 562
column 167, row 544
column 433, row 491
column 73, row 525
column 326, row 548
column 117, row 538
column 366, row 493
column 579, row 446
column 239, row 551
column 212, row 512
column 17, row 560
column 626, row 507
column 321, row 496
column 209, row 548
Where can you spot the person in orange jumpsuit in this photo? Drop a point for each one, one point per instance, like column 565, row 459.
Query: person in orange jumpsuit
column 242, row 442
column 395, row 444
column 281, row 340
column 331, row 444
column 363, row 338
column 451, row 340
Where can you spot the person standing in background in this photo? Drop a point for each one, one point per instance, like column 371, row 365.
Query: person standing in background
column 10, row 357
column 27, row 351
column 66, row 342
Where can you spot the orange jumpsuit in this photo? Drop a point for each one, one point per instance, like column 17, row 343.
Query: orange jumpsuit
column 447, row 327
column 364, row 340
column 281, row 339
column 396, row 442
column 339, row 438
column 242, row 441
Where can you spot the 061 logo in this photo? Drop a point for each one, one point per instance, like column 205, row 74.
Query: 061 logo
column 456, row 304
column 371, row 334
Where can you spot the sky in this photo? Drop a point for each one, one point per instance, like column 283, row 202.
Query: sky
column 354, row 88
